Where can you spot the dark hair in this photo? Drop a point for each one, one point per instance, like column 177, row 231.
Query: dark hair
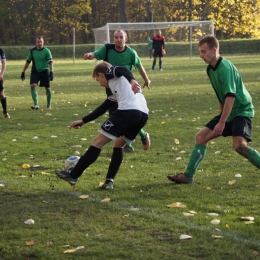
column 211, row 40
column 101, row 67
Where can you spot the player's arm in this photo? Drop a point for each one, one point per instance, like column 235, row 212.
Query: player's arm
column 89, row 56
column 142, row 72
column 3, row 62
column 120, row 71
column 227, row 108
column 100, row 110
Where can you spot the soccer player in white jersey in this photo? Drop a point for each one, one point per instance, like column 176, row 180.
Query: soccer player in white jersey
column 122, row 126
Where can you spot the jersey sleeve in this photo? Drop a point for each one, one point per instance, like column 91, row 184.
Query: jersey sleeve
column 136, row 60
column 100, row 53
column 119, row 71
column 49, row 56
column 2, row 54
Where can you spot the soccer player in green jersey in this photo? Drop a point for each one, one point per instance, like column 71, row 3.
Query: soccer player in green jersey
column 42, row 71
column 236, row 111
column 119, row 54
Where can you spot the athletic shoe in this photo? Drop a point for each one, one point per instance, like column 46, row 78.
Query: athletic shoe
column 6, row 115
column 161, row 69
column 146, row 141
column 35, row 107
column 108, row 185
column 151, row 70
column 66, row 177
column 49, row 106
column 129, row 149
column 181, row 178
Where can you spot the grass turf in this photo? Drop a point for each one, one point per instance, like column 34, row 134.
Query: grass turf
column 135, row 223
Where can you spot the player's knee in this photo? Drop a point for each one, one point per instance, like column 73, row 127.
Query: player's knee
column 199, row 137
column 240, row 148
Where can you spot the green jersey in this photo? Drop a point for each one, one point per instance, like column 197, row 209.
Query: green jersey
column 40, row 58
column 150, row 44
column 127, row 58
column 227, row 81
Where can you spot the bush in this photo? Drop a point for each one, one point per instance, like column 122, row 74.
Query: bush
column 172, row 49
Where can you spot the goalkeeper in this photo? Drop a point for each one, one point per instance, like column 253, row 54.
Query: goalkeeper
column 158, row 49
column 119, row 54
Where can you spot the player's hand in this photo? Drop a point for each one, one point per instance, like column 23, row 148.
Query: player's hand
column 135, row 86
column 163, row 51
column 88, row 56
column 218, row 130
column 77, row 124
column 153, row 51
column 23, row 76
column 147, row 84
column 51, row 76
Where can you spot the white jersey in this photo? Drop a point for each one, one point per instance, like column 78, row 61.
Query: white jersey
column 122, row 93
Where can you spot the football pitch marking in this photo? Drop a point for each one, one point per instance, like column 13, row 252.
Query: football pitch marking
column 176, row 220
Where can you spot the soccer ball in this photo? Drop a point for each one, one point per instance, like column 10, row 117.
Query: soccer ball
column 71, row 162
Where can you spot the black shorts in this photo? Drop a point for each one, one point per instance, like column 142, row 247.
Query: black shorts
column 1, row 85
column 126, row 123
column 157, row 53
column 240, row 126
column 42, row 77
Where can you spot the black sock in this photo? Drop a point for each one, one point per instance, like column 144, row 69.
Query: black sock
column 88, row 158
column 116, row 160
column 160, row 64
column 154, row 62
column 3, row 102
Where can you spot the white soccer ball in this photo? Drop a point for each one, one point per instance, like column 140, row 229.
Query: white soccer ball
column 71, row 162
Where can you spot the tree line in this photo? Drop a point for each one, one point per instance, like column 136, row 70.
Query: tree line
column 22, row 20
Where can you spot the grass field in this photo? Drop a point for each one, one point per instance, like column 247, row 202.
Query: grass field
column 136, row 223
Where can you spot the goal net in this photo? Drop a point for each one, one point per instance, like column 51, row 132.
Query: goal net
column 139, row 32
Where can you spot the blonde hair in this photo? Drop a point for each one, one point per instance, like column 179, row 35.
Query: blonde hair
column 101, row 67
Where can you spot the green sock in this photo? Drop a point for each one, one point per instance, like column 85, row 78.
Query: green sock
column 49, row 96
column 142, row 133
column 253, row 156
column 196, row 157
column 34, row 96
column 128, row 145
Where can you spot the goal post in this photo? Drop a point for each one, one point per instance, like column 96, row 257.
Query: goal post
column 188, row 31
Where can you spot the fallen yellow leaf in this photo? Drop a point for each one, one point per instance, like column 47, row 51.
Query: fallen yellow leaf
column 26, row 166
column 105, row 200
column 30, row 242
column 83, row 196
column 176, row 205
column 176, row 141
column 232, row 182
column 72, row 250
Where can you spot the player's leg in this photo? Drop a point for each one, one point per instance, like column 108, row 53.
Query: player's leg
column 154, row 59
column 115, row 163
column 33, row 83
column 145, row 139
column 45, row 82
column 3, row 100
column 198, row 153
column 242, row 129
column 87, row 159
column 129, row 127
column 49, row 97
column 160, row 62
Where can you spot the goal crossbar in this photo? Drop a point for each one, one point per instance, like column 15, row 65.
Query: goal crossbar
column 106, row 29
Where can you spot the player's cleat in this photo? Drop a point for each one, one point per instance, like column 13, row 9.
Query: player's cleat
column 129, row 149
column 35, row 107
column 6, row 115
column 49, row 106
column 66, row 177
column 161, row 69
column 108, row 185
column 151, row 70
column 146, row 141
column 181, row 178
